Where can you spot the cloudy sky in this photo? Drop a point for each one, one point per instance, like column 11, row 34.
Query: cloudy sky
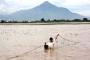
column 77, row 6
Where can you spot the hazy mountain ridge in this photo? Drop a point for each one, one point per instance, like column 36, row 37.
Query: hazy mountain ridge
column 45, row 10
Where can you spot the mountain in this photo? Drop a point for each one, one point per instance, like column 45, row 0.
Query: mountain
column 45, row 10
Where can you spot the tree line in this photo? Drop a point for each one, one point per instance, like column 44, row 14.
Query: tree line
column 42, row 20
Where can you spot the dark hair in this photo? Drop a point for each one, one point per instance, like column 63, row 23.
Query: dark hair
column 51, row 39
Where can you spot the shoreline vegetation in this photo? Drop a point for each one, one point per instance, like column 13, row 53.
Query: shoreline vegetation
column 45, row 22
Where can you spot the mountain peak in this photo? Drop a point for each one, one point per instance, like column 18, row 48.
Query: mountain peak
column 46, row 3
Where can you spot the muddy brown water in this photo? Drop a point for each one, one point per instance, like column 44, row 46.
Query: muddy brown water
column 25, row 42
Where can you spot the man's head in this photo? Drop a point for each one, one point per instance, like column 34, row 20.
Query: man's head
column 51, row 39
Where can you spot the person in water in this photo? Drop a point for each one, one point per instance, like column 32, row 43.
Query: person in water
column 51, row 43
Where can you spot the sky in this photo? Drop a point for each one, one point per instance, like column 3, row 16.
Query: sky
column 77, row 6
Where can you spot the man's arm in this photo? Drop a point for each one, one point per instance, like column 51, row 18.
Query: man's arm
column 56, row 37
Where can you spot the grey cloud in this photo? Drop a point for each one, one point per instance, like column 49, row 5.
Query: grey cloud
column 2, row 1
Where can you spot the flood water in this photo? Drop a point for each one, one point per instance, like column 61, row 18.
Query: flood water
column 25, row 42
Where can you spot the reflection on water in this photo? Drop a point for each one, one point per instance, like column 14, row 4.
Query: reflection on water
column 49, row 54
